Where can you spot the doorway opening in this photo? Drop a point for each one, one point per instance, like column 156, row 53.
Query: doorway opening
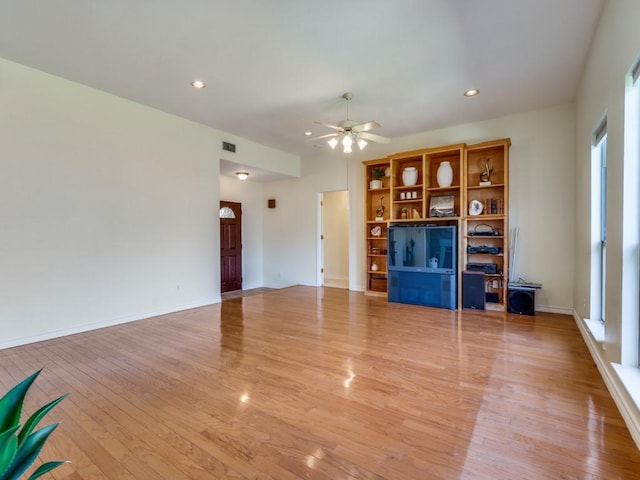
column 333, row 253
column 230, row 246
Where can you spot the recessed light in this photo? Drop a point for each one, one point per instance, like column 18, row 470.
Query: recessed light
column 198, row 84
column 471, row 93
column 308, row 134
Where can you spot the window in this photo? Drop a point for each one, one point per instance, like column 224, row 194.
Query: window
column 632, row 140
column 599, row 220
column 226, row 212
column 630, row 292
column 635, row 75
column 631, row 219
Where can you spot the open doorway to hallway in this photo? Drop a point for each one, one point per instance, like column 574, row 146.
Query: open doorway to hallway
column 334, row 239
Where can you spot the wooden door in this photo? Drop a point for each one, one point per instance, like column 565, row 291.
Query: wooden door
column 230, row 246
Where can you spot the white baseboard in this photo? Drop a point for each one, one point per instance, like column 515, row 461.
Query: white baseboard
column 628, row 408
column 551, row 309
column 15, row 342
column 278, row 285
column 337, row 281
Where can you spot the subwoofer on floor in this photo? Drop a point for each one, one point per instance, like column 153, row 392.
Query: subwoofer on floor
column 473, row 290
column 521, row 301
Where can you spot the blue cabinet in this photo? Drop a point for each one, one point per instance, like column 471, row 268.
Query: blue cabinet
column 424, row 288
column 422, row 265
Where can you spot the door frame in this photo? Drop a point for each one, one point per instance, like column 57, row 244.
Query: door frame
column 320, row 244
column 236, row 207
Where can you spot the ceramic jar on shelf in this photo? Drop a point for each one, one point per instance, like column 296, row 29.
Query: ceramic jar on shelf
column 444, row 175
column 409, row 176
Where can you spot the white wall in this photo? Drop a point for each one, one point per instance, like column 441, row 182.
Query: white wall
column 109, row 209
column 291, row 231
column 602, row 90
column 250, row 195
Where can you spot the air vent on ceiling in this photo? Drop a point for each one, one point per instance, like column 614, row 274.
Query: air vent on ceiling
column 229, row 147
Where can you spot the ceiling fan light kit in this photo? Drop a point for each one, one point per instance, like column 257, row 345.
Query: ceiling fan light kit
column 349, row 132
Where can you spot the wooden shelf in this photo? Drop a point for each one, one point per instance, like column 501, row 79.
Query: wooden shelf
column 485, row 217
column 478, row 237
column 483, row 187
column 376, row 280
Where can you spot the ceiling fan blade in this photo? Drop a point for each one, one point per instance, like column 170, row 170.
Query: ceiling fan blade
column 325, row 136
column 374, row 138
column 335, row 127
column 365, row 126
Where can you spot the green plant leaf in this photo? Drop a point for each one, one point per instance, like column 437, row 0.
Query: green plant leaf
column 35, row 418
column 27, row 453
column 11, row 403
column 8, row 447
column 45, row 468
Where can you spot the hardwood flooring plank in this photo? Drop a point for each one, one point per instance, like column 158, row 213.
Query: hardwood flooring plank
column 313, row 383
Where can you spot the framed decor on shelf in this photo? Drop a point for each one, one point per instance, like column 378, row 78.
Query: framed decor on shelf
column 442, row 206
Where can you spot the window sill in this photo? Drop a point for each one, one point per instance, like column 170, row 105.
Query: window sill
column 630, row 377
column 596, row 327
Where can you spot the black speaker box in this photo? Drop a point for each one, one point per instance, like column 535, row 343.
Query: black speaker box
column 521, row 301
column 473, row 290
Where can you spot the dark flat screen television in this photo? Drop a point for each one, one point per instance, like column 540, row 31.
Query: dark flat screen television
column 422, row 248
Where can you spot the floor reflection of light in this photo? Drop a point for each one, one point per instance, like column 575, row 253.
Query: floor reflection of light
column 351, row 375
column 244, row 398
column 312, row 460
column 595, row 429
column 347, row 382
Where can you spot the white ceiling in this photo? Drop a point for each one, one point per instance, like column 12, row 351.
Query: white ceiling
column 274, row 67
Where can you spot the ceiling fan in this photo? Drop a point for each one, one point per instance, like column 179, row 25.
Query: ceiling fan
column 349, row 132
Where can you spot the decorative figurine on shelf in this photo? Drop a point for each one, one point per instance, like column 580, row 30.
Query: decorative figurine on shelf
column 380, row 210
column 403, row 213
column 485, row 176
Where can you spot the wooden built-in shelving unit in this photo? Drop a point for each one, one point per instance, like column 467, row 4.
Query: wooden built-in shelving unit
column 413, row 204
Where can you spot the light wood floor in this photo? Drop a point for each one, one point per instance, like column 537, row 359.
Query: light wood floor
column 327, row 384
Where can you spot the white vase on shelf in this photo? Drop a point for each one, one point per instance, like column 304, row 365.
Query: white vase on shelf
column 409, row 176
column 444, row 175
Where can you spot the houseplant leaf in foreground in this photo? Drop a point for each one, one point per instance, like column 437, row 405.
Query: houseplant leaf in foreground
column 11, row 403
column 19, row 448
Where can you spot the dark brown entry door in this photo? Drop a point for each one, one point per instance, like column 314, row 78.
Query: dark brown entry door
column 230, row 246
